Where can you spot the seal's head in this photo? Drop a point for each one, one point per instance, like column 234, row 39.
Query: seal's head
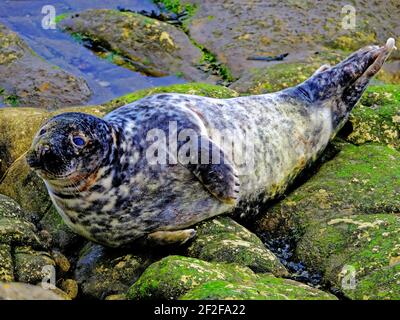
column 70, row 146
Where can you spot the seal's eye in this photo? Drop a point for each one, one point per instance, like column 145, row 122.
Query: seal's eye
column 78, row 141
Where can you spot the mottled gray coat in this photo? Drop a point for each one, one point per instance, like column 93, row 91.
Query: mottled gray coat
column 109, row 192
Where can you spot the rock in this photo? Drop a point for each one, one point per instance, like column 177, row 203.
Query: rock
column 359, row 180
column 344, row 216
column 274, row 78
column 15, row 230
column 31, row 266
column 23, row 291
column 377, row 117
column 234, row 30
column 173, row 276
column 359, row 247
column 189, row 278
column 34, row 82
column 200, row 89
column 116, row 297
column 101, row 272
column 23, row 253
column 6, row 263
column 70, row 287
column 141, row 43
column 224, row 240
column 61, row 261
column 264, row 287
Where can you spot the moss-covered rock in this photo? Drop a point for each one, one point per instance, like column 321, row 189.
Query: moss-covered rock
column 6, row 263
column 34, row 82
column 264, row 287
column 173, row 276
column 188, row 278
column 200, row 89
column 277, row 77
column 14, row 228
column 101, row 272
column 377, row 117
column 368, row 245
column 31, row 266
column 24, row 256
column 345, row 216
column 359, row 180
column 224, row 240
column 141, row 43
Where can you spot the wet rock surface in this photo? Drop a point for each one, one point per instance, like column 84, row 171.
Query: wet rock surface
column 28, row 80
column 144, row 44
column 224, row 240
column 235, row 30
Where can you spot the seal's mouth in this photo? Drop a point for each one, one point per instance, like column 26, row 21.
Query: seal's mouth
column 39, row 161
column 376, row 57
column 348, row 79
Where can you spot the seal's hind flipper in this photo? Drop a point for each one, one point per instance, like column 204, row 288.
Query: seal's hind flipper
column 163, row 238
column 215, row 171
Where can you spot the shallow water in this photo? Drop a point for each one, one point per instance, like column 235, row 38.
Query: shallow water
column 106, row 80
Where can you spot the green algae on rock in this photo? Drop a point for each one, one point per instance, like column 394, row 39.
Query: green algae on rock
column 201, row 89
column 368, row 246
column 188, row 278
column 30, row 265
column 359, row 180
column 377, row 117
column 141, row 43
column 34, row 82
column 346, row 215
column 224, row 240
column 6, row 263
column 14, row 228
column 173, row 276
column 22, row 251
column 274, row 78
column 264, row 287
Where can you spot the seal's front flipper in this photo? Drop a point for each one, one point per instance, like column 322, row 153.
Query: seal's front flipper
column 215, row 171
column 162, row 238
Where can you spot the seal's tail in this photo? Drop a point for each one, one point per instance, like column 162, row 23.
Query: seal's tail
column 342, row 85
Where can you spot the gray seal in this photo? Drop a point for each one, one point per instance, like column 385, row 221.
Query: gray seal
column 154, row 168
